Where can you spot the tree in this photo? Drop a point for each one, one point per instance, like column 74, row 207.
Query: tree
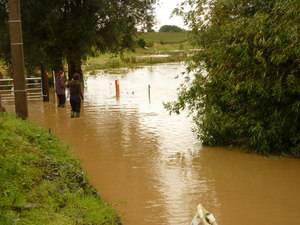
column 39, row 38
column 4, row 34
column 246, row 89
column 141, row 43
column 40, row 34
column 170, row 28
column 105, row 25
column 71, row 29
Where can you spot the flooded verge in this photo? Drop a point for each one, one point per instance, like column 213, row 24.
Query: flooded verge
column 150, row 166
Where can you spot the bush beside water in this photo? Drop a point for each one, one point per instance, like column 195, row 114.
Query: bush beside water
column 41, row 184
column 246, row 90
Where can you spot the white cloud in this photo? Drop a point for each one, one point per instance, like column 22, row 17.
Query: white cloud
column 164, row 11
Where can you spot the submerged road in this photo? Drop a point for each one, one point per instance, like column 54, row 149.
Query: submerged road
column 150, row 166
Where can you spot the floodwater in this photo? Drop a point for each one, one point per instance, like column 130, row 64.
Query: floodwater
column 150, row 166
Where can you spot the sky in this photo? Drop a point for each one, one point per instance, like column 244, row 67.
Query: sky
column 163, row 13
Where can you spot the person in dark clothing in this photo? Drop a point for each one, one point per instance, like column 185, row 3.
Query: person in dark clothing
column 76, row 95
column 60, row 89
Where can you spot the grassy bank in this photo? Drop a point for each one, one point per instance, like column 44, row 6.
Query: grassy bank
column 41, row 184
column 164, row 37
column 161, row 47
column 130, row 60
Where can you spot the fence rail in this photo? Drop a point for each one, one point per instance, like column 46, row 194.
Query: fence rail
column 33, row 88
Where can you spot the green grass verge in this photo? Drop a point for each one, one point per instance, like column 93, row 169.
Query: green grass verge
column 128, row 60
column 173, row 44
column 40, row 183
column 164, row 37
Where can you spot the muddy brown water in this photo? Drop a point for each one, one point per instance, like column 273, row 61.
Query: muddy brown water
column 150, row 166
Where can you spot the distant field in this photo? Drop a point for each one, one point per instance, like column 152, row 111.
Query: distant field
column 164, row 37
column 173, row 44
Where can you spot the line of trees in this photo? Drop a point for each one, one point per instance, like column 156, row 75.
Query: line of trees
column 170, row 28
column 246, row 89
column 58, row 31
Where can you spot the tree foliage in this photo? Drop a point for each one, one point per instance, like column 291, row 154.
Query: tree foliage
column 141, row 43
column 170, row 28
column 246, row 89
column 4, row 47
column 56, row 30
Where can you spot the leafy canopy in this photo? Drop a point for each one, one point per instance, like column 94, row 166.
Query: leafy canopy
column 170, row 28
column 55, row 30
column 246, row 89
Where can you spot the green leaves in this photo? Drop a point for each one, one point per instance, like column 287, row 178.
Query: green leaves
column 250, row 95
column 74, row 29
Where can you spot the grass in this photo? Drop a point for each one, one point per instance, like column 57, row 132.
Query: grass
column 164, row 37
column 172, row 44
column 41, row 184
column 129, row 60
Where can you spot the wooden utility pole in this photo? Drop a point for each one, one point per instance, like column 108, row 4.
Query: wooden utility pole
column 17, row 54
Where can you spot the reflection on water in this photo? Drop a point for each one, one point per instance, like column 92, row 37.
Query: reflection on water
column 150, row 166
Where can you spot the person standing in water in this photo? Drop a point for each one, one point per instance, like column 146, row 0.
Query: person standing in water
column 60, row 88
column 76, row 95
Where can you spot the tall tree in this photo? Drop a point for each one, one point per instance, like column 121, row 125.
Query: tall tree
column 106, row 25
column 38, row 33
column 71, row 29
column 4, row 34
column 40, row 37
column 246, row 89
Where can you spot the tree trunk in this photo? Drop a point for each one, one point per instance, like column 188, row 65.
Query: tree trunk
column 57, row 65
column 74, row 66
column 45, row 84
